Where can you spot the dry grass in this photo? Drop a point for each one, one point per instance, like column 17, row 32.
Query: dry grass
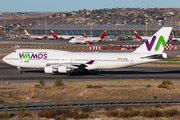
column 125, row 89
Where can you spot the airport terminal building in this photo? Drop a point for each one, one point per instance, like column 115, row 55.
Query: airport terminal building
column 122, row 31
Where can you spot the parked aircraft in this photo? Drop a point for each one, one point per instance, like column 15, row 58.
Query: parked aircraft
column 65, row 37
column 146, row 37
column 53, row 61
column 88, row 40
column 174, row 39
column 38, row 36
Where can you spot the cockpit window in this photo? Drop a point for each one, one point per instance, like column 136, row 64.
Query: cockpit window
column 14, row 51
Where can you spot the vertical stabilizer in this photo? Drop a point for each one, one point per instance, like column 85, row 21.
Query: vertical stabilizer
column 137, row 36
column 156, row 43
column 53, row 34
column 26, row 33
column 103, row 35
column 85, row 36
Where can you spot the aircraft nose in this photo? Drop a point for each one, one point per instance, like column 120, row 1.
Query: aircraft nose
column 4, row 59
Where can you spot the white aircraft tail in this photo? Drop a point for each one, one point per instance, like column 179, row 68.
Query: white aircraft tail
column 26, row 33
column 156, row 43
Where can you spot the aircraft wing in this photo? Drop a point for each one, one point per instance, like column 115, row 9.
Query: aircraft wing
column 72, row 65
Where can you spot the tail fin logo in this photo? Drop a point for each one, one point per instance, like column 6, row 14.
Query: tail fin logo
column 149, row 45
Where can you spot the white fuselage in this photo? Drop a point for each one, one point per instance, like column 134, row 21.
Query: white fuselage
column 40, row 36
column 84, row 40
column 39, row 58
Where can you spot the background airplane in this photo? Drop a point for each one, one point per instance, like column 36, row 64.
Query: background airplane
column 88, row 40
column 38, row 36
column 146, row 37
column 65, row 37
column 53, row 61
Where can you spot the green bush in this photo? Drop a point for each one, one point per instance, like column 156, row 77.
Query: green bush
column 58, row 82
column 41, row 82
column 165, row 84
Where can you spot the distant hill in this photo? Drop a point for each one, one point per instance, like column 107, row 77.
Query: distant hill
column 18, row 21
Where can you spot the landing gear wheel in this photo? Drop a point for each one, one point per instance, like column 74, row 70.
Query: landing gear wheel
column 70, row 73
column 20, row 71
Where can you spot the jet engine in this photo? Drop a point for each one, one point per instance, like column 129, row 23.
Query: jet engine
column 164, row 55
column 63, row 69
column 49, row 69
column 88, row 42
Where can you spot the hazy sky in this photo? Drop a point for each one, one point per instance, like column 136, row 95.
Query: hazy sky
column 70, row 5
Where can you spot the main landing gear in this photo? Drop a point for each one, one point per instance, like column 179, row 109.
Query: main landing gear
column 76, row 72
column 19, row 70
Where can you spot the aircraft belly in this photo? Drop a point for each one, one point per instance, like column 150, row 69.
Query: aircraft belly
column 112, row 65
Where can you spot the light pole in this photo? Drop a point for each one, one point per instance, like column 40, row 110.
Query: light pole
column 4, row 26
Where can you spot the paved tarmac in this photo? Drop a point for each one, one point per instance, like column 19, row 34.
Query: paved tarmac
column 9, row 73
column 66, row 42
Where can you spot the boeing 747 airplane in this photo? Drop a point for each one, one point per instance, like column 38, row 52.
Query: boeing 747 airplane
column 53, row 61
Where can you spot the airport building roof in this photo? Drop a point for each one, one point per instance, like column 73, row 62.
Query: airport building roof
column 102, row 27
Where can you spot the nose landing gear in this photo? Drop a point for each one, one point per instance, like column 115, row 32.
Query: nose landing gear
column 19, row 70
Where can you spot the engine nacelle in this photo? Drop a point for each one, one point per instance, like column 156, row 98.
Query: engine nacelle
column 49, row 69
column 88, row 42
column 164, row 55
column 63, row 69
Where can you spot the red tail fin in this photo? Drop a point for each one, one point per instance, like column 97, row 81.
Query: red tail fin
column 54, row 35
column 103, row 35
column 170, row 38
column 85, row 35
column 137, row 36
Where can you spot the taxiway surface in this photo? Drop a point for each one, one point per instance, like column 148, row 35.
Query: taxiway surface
column 10, row 74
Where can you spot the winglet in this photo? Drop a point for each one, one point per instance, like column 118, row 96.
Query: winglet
column 90, row 62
